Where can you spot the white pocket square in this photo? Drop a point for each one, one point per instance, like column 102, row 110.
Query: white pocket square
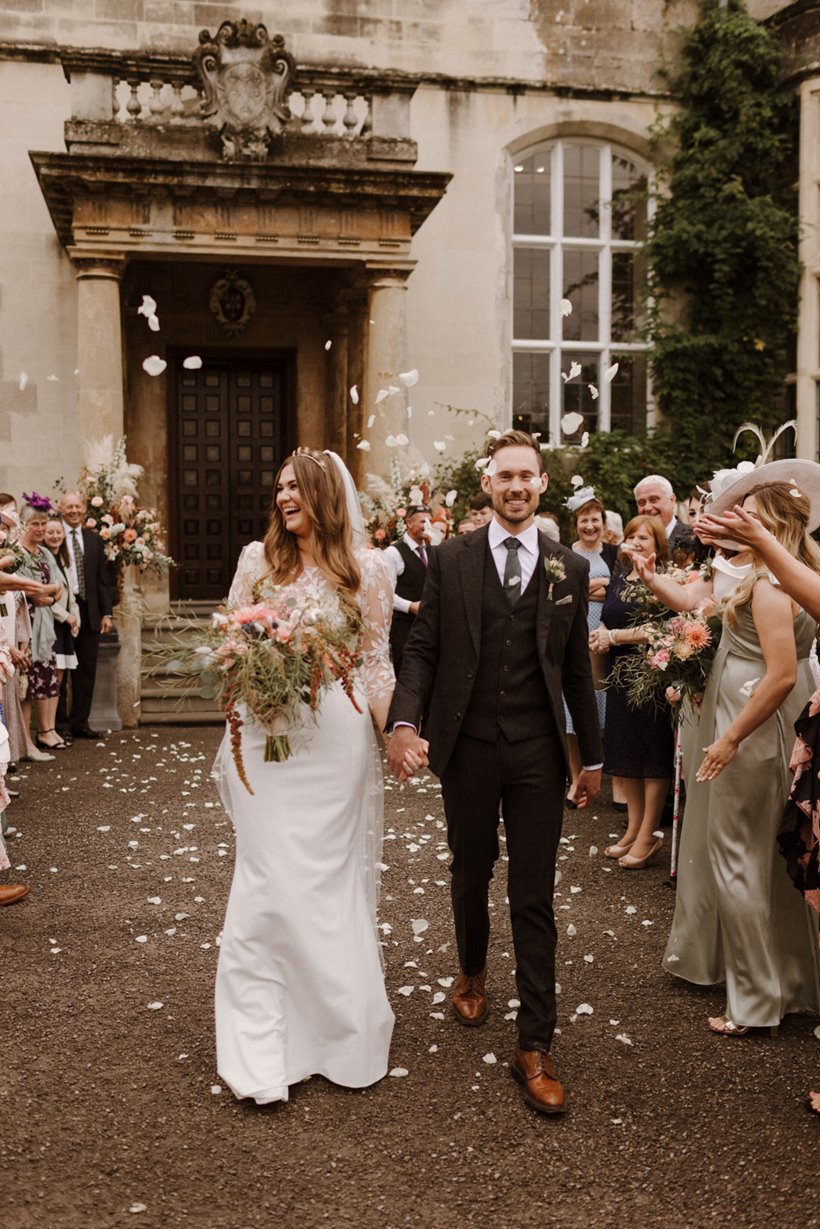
column 562, row 601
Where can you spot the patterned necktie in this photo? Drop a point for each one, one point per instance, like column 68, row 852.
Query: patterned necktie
column 422, row 553
column 512, row 571
column 79, row 562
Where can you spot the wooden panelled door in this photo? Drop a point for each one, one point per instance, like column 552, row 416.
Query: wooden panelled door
column 231, row 436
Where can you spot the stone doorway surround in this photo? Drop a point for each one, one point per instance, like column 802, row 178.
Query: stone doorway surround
column 144, row 179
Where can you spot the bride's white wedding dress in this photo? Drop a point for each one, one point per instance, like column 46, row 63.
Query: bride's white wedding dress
column 299, row 983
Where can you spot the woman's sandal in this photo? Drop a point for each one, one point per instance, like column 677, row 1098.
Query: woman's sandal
column 727, row 1028
column 813, row 1103
column 617, row 851
column 44, row 746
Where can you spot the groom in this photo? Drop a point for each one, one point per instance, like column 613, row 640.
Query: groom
column 501, row 634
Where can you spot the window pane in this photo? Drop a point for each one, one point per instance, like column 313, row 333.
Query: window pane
column 581, row 191
column 627, row 295
column 581, row 288
column 531, row 373
column 628, row 200
column 576, row 396
column 532, row 194
column 628, row 394
column 531, row 303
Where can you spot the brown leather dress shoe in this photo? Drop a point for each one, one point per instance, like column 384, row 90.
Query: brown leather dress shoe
column 542, row 1088
column 470, row 999
column 11, row 892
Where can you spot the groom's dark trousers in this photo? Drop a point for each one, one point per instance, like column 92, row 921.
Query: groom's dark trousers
column 493, row 678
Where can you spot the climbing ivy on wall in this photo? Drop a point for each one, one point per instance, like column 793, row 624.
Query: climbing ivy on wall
column 722, row 247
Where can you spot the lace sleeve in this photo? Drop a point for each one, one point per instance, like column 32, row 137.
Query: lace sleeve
column 377, row 611
column 250, row 567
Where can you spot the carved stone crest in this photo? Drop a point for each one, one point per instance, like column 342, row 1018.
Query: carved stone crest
column 244, row 73
column 232, row 301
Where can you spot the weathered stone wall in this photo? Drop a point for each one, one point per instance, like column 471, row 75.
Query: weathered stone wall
column 603, row 44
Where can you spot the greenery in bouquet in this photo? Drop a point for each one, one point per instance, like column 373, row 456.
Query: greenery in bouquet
column 131, row 534
column 675, row 663
column 269, row 659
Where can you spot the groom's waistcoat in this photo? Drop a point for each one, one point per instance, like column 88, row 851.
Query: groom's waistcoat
column 510, row 696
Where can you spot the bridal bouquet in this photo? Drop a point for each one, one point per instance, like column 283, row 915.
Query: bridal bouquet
column 130, row 533
column 270, row 659
column 677, row 658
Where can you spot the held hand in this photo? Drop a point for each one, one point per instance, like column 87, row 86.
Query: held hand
column 414, row 761
column 404, row 749
column 46, row 595
column 106, row 625
column 73, row 625
column 599, row 641
column 587, row 787
column 718, row 755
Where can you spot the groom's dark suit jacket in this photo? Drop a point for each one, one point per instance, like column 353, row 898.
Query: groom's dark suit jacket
column 441, row 657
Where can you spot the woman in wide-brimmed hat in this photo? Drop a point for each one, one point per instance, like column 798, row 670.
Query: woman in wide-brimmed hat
column 766, row 947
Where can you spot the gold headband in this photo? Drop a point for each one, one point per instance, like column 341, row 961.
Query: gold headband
column 308, row 452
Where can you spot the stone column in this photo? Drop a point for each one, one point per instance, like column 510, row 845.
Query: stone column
column 338, row 392
column 386, row 357
column 99, row 348
column 808, row 328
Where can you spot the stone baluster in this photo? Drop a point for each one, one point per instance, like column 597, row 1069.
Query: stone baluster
column 134, row 106
column 329, row 118
column 155, row 104
column 307, row 114
column 351, row 119
column 177, row 105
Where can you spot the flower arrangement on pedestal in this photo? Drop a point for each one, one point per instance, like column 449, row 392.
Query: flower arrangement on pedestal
column 385, row 504
column 131, row 534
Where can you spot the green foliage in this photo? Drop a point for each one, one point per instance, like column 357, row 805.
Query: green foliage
column 722, row 247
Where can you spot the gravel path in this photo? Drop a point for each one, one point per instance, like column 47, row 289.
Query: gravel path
column 111, row 1110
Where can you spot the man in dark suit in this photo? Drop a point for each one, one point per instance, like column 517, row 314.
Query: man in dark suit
column 408, row 559
column 501, row 634
column 89, row 580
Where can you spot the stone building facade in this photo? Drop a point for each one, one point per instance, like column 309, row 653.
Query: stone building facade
column 393, row 185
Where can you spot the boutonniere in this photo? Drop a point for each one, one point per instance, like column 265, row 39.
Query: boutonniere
column 555, row 573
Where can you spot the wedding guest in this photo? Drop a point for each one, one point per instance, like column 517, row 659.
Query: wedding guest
column 587, row 514
column 65, row 610
column 407, row 560
column 42, row 687
column 466, row 526
column 89, row 584
column 10, row 893
column 638, row 742
column 655, row 496
column 481, row 509
column 613, row 527
column 767, row 951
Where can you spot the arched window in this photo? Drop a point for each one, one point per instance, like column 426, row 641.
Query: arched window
column 578, row 233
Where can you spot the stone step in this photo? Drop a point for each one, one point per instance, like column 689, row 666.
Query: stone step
column 166, row 697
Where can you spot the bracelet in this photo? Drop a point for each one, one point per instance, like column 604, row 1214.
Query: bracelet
column 611, row 637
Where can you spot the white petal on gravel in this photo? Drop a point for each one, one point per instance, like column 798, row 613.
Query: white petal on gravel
column 566, row 307
column 513, row 1003
column 192, row 363
column 631, row 909
column 138, row 1207
column 571, row 931
column 155, row 1006
column 589, row 959
column 446, row 982
column 511, row 1015
column 438, row 997
column 141, row 939
column 816, row 1031
column 593, row 849
column 398, row 1072
column 616, row 1122
column 623, row 1037
column 180, row 917
column 433, row 1049
column 406, row 990
column 490, row 1059
column 575, row 890
column 419, row 924
column 571, row 422
column 646, row 922
column 104, row 828
column 409, row 378
column 614, row 1023
column 154, row 365
column 611, row 372
column 216, row 1089
column 154, row 900
column 583, row 1009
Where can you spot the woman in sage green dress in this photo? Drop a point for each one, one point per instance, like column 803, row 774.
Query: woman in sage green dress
column 764, row 945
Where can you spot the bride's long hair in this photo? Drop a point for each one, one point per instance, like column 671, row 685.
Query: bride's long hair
column 784, row 510
column 322, row 497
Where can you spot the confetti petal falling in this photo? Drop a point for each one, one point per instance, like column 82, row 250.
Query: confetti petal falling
column 154, row 365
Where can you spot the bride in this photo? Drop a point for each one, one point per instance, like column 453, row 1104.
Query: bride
column 299, row 984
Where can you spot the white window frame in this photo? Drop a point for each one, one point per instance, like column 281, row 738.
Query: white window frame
column 558, row 349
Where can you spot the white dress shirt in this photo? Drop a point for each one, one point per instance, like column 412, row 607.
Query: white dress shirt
column 394, row 558
column 527, row 551
column 69, row 541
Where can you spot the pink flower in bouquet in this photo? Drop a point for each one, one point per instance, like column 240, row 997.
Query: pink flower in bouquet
column 379, row 535
column 401, row 512
column 130, row 535
column 97, row 501
column 251, row 614
column 90, row 523
column 659, row 660
column 683, row 650
column 107, row 519
column 698, row 636
column 105, row 534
